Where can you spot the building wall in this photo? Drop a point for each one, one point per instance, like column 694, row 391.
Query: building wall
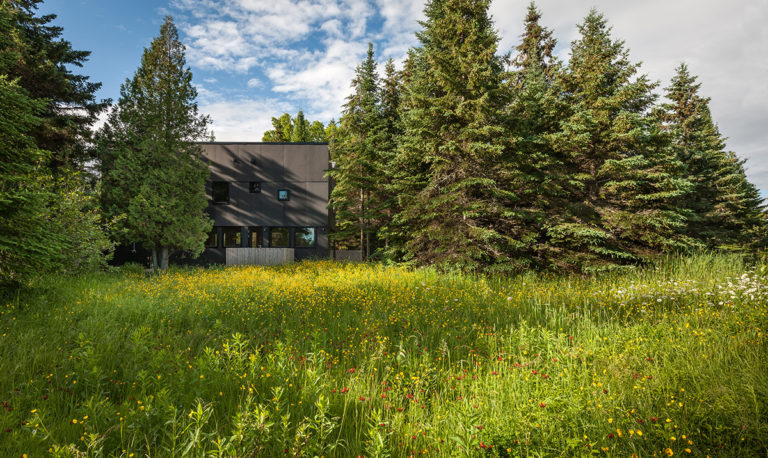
column 298, row 168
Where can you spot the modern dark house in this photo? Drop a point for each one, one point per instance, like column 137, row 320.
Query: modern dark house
column 268, row 201
column 267, row 195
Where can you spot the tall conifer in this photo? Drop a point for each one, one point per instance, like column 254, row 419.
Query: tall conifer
column 533, row 169
column 623, row 179
column 725, row 207
column 358, row 175
column 452, row 206
column 153, row 172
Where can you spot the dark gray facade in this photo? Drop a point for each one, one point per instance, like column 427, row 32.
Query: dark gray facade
column 273, row 194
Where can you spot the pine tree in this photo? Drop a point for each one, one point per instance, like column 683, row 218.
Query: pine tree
column 153, row 172
column 355, row 198
column 453, row 209
column 623, row 177
column 726, row 210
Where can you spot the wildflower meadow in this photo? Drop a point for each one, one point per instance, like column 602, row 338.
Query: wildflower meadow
column 339, row 359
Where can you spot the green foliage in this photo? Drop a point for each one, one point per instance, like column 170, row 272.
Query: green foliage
column 299, row 129
column 452, row 203
column 153, row 172
column 47, row 220
column 358, row 197
column 726, row 209
column 623, row 180
column 339, row 359
column 34, row 52
column 457, row 162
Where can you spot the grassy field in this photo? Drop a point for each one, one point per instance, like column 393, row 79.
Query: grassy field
column 326, row 359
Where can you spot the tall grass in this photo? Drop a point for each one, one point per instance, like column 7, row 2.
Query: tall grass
column 333, row 359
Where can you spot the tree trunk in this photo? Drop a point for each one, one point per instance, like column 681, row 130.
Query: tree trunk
column 164, row 258
column 154, row 259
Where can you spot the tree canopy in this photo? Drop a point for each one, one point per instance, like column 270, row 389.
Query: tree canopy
column 153, row 172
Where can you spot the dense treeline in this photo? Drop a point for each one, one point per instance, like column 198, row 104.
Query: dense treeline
column 466, row 158
column 471, row 159
column 49, row 217
column 298, row 130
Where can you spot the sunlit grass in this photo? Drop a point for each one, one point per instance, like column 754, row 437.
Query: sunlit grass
column 348, row 359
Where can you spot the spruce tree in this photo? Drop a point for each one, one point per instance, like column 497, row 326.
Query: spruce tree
column 726, row 210
column 623, row 178
column 392, row 129
column 537, row 45
column 532, row 168
column 48, row 221
column 42, row 63
column 355, row 198
column 153, row 172
column 453, row 209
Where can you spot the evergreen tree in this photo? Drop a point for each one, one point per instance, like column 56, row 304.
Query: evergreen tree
column 536, row 47
column 532, row 168
column 453, row 209
column 153, row 172
column 355, row 198
column 623, row 178
column 726, row 210
column 26, row 244
column 300, row 132
column 41, row 61
column 391, row 130
column 48, row 222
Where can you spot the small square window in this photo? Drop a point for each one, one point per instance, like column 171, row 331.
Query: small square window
column 282, row 194
column 220, row 190
column 304, row 237
column 254, row 186
column 280, row 237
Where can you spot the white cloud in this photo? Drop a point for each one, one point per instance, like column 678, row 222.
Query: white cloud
column 242, row 119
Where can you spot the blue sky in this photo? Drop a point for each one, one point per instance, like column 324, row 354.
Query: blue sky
column 254, row 59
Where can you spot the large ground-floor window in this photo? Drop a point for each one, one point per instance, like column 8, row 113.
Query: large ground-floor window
column 232, row 236
column 280, row 237
column 261, row 237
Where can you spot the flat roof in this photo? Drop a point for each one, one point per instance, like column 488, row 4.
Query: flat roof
column 262, row 143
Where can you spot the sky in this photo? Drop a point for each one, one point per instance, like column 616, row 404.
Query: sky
column 255, row 59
